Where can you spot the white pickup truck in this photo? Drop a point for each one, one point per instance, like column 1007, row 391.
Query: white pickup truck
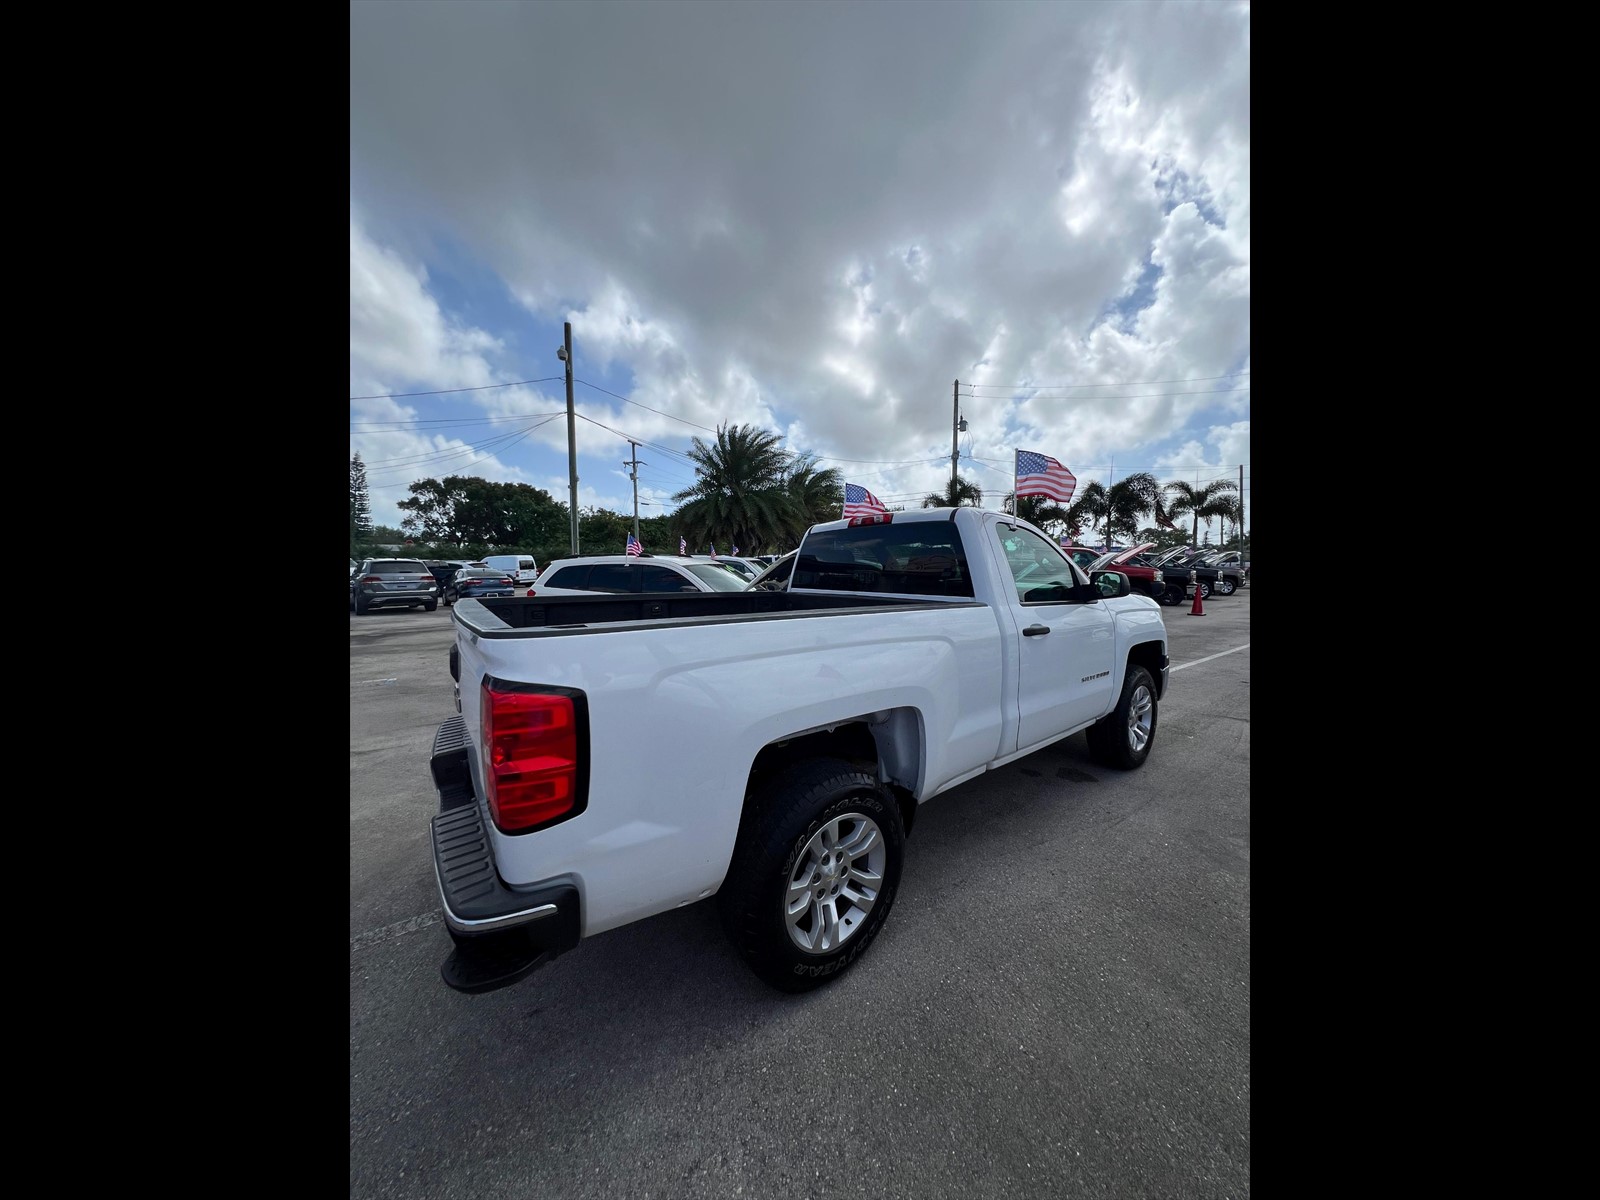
column 617, row 756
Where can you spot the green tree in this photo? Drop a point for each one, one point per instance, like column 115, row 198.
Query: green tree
column 360, row 507
column 740, row 496
column 817, row 493
column 957, row 492
column 1215, row 499
column 1119, row 508
column 1039, row 510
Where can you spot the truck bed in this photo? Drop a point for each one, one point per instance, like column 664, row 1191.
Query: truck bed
column 501, row 616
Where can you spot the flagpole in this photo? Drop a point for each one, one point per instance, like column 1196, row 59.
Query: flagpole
column 1016, row 461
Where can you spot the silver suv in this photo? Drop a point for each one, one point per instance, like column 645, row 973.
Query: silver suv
column 393, row 583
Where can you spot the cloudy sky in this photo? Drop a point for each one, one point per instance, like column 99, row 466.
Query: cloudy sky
column 811, row 217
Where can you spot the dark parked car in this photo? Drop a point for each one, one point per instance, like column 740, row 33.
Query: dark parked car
column 393, row 583
column 471, row 583
column 1211, row 576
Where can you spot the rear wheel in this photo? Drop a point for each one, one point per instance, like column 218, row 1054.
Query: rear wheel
column 430, row 606
column 1123, row 737
column 814, row 874
column 361, row 607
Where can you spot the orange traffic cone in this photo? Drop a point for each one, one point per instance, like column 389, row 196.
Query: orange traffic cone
column 1197, row 611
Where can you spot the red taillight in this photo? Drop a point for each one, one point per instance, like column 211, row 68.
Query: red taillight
column 530, row 591
column 530, row 757
column 372, row 579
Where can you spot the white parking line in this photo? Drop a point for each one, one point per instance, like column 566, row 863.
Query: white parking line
column 1209, row 657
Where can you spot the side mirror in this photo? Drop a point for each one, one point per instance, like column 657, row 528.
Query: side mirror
column 1111, row 584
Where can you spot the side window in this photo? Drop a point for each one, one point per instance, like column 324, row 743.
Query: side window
column 570, row 577
column 610, row 577
column 1039, row 569
column 660, row 579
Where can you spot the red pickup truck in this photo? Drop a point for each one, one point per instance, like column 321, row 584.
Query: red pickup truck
column 1146, row 579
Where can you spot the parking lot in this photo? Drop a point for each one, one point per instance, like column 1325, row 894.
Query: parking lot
column 1059, row 1003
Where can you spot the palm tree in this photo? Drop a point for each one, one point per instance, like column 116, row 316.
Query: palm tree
column 1039, row 510
column 818, row 495
column 1215, row 499
column 740, row 494
column 1118, row 508
column 957, row 492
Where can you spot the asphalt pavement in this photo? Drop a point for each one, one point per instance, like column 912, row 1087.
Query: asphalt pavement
column 1058, row 1005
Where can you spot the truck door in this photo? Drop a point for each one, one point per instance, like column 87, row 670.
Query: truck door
column 1067, row 650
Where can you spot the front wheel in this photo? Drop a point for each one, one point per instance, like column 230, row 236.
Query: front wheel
column 1124, row 736
column 1173, row 595
column 1205, row 589
column 1225, row 587
column 814, row 874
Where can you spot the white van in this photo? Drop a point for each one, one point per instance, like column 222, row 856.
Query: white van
column 520, row 567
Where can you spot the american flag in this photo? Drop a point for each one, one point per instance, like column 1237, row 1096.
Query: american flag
column 734, row 552
column 713, row 549
column 1163, row 520
column 634, row 547
column 683, row 546
column 1041, row 475
column 858, row 502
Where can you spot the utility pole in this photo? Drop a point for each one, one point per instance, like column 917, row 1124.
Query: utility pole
column 635, row 464
column 1241, row 512
column 955, row 428
column 572, row 433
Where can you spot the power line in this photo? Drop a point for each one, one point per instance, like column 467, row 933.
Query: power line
column 1129, row 383
column 1142, row 396
column 646, row 407
column 449, row 391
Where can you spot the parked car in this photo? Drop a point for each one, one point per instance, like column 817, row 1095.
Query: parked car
column 444, row 570
column 1213, row 576
column 776, row 577
column 625, row 574
column 1082, row 555
column 1199, row 570
column 1232, row 558
column 1145, row 579
column 748, row 567
column 521, row 567
column 393, row 583
column 472, row 583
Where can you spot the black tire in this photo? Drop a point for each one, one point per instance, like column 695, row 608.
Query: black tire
column 1205, row 589
column 361, row 607
column 1124, row 736
column 1173, row 595
column 778, row 838
column 430, row 606
column 1225, row 587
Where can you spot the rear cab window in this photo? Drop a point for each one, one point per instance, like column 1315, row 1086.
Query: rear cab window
column 918, row 558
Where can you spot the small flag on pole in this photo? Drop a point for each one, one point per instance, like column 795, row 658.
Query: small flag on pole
column 634, row 548
column 1041, row 475
column 683, row 546
column 734, row 552
column 858, row 502
column 713, row 549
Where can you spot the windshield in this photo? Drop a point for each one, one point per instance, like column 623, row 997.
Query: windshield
column 1103, row 563
column 718, row 579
